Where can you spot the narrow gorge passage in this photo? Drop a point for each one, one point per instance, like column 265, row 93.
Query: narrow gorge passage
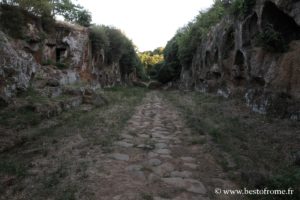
column 152, row 159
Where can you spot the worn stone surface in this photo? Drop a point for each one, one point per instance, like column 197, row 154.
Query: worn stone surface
column 181, row 174
column 119, row 156
column 229, row 62
column 124, row 144
column 163, row 151
column 154, row 162
column 59, row 58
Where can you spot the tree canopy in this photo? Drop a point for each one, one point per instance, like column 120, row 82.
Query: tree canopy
column 66, row 8
column 150, row 58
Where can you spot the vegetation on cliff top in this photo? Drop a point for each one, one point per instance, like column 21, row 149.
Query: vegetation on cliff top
column 51, row 8
column 116, row 48
column 181, row 48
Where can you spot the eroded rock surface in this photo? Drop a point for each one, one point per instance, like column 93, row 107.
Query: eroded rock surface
column 43, row 59
column 229, row 61
column 17, row 68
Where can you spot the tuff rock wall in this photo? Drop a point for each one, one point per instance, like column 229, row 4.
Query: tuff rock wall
column 56, row 58
column 230, row 63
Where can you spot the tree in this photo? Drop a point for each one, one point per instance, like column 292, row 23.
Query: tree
column 71, row 12
column 39, row 8
column 117, row 48
column 150, row 58
column 84, row 18
column 50, row 8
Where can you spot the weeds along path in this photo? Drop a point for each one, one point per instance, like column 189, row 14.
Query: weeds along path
column 153, row 160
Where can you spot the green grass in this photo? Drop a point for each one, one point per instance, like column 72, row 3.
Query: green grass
column 196, row 140
column 146, row 196
column 20, row 119
column 12, row 167
column 24, row 116
column 253, row 142
column 284, row 180
column 65, row 169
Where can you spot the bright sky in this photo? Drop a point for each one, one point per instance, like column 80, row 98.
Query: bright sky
column 148, row 23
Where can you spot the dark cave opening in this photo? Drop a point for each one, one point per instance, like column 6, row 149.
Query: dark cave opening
column 280, row 21
column 60, row 54
column 207, row 59
column 216, row 56
column 238, row 71
column 258, row 81
column 239, row 60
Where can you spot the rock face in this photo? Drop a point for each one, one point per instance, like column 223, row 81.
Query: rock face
column 229, row 61
column 59, row 57
column 17, row 67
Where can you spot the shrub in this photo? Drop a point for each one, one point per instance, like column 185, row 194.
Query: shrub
column 151, row 58
column 241, row 8
column 271, row 40
column 12, row 21
column 48, row 62
column 180, row 50
column 168, row 72
column 48, row 23
column 99, row 38
column 61, row 65
column 117, row 48
column 288, row 179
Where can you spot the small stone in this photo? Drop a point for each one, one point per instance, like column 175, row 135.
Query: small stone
column 190, row 165
column 195, row 186
column 126, row 136
column 188, row 159
column 154, row 162
column 134, row 168
column 158, row 135
column 166, row 156
column 145, row 147
column 177, row 142
column 144, row 136
column 118, row 197
column 118, row 156
column 124, row 144
column 176, row 182
column 182, row 174
column 152, row 154
column 164, row 169
column 153, row 178
column 160, row 145
column 163, row 151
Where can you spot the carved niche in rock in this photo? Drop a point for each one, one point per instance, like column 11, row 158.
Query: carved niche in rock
column 250, row 30
column 280, row 21
column 239, row 69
